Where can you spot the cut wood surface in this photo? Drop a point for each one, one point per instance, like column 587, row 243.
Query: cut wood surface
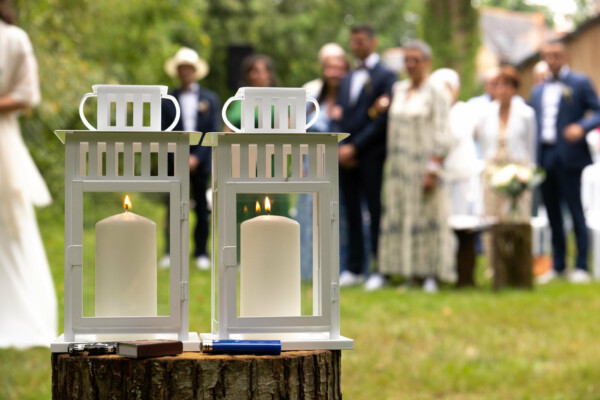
column 512, row 258
column 292, row 375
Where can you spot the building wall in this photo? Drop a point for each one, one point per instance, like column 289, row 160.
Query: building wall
column 585, row 55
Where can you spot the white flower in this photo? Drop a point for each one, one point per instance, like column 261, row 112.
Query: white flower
column 524, row 174
column 504, row 176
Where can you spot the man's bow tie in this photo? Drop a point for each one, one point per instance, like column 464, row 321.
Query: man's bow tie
column 553, row 78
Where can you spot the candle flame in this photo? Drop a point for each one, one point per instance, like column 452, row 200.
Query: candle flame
column 245, row 209
column 257, row 208
column 127, row 203
column 267, row 205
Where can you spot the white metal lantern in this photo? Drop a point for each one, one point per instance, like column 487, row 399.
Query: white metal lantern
column 260, row 254
column 121, row 160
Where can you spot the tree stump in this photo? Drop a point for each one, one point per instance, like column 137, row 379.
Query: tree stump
column 512, row 259
column 292, row 375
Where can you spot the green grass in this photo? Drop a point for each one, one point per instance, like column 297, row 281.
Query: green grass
column 456, row 344
column 473, row 344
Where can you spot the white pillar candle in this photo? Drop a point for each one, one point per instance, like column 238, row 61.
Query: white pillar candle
column 126, row 266
column 270, row 267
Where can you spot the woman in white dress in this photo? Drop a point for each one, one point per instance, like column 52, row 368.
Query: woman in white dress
column 461, row 177
column 27, row 297
column 415, row 237
column 460, row 165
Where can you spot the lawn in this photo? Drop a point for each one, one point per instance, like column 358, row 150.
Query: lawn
column 455, row 344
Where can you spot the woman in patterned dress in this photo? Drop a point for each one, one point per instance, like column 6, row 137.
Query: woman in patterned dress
column 415, row 237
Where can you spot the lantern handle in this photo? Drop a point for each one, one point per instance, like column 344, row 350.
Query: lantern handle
column 177, row 111
column 81, row 114
column 317, row 110
column 224, row 113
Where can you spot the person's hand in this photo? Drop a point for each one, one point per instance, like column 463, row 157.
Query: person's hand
column 380, row 106
column 336, row 112
column 346, row 156
column 573, row 132
column 382, row 103
column 193, row 162
column 429, row 182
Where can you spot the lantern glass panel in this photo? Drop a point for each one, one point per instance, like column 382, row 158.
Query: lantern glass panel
column 126, row 285
column 277, row 254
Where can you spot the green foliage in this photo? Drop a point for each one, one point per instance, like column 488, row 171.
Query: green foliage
column 292, row 32
column 451, row 28
column 585, row 10
column 78, row 44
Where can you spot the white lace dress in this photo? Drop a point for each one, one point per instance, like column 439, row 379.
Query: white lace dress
column 28, row 309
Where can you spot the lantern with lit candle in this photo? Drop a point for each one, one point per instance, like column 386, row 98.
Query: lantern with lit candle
column 131, row 160
column 260, row 252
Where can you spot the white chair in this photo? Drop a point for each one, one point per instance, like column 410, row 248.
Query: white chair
column 590, row 198
column 593, row 140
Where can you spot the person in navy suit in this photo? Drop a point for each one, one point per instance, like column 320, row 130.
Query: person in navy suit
column 566, row 107
column 199, row 112
column 361, row 155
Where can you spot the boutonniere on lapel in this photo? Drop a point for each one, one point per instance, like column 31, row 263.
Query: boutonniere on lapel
column 368, row 86
column 567, row 93
column 203, row 106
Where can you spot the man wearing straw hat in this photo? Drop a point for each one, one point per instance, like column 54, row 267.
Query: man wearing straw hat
column 199, row 112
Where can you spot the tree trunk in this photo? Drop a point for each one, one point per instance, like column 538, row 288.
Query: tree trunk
column 293, row 375
column 512, row 260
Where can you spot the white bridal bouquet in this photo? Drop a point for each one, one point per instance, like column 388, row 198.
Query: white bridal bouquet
column 513, row 180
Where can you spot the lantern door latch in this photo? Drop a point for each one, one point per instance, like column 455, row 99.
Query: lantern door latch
column 333, row 210
column 75, row 255
column 229, row 256
column 184, row 290
column 335, row 293
column 184, row 211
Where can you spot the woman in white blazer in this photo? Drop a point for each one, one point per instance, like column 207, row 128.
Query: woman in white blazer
column 506, row 134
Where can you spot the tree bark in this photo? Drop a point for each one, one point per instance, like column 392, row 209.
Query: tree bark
column 292, row 375
column 512, row 259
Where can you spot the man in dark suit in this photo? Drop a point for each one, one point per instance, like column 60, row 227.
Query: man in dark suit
column 562, row 104
column 361, row 156
column 199, row 112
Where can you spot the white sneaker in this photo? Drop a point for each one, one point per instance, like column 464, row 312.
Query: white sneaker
column 164, row 262
column 580, row 276
column 546, row 277
column 430, row 285
column 348, row 278
column 375, row 282
column 202, row 263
